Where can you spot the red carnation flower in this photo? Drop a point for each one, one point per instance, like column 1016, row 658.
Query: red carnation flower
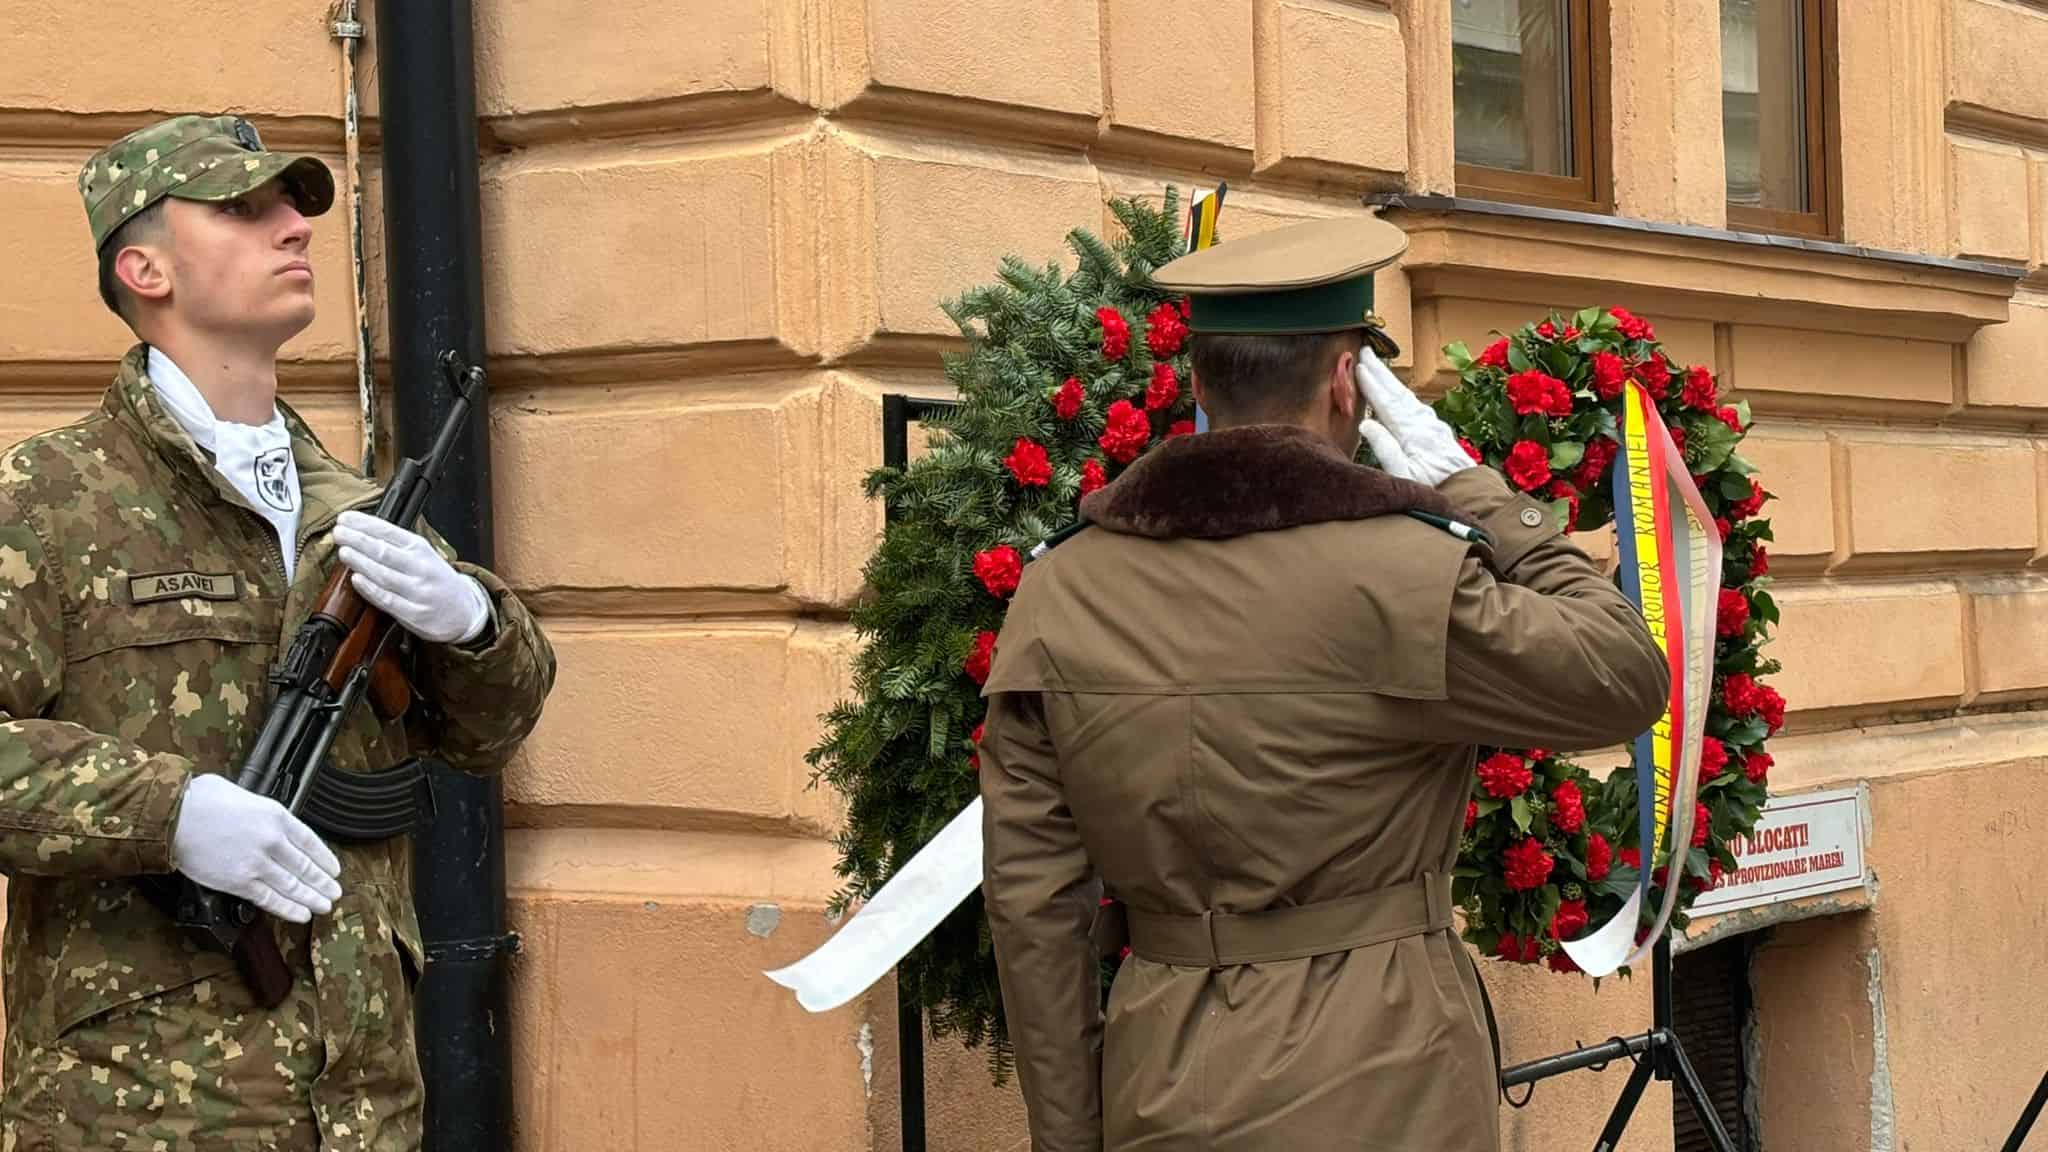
column 1000, row 569
column 1734, row 613
column 1528, row 465
column 1677, row 438
column 1180, row 428
column 1722, row 526
column 1527, row 864
column 1127, row 433
column 1116, row 333
column 1504, row 775
column 1066, row 403
column 1759, row 560
column 1562, row 490
column 1496, row 354
column 1536, row 755
column 1539, row 393
column 1559, row 962
column 1511, row 948
column 1610, row 374
column 1185, row 310
column 1471, row 450
column 1730, row 417
column 1567, row 808
column 1547, row 330
column 1028, row 462
column 1164, row 330
column 1599, row 857
column 1702, row 825
column 984, row 654
column 1593, row 466
column 1164, row 389
column 1656, row 377
column 1631, row 857
column 1740, row 694
column 1749, row 505
column 1757, row 766
column 1471, row 814
column 1713, row 759
column 1632, row 327
column 1699, row 389
column 1570, row 920
column 1092, row 475
column 1772, row 706
column 974, row 753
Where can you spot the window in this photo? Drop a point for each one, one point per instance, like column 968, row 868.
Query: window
column 1528, row 118
column 1775, row 115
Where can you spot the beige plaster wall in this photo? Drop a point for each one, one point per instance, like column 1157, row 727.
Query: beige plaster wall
column 716, row 233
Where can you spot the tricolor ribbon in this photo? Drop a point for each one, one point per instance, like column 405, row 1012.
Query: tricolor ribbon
column 1670, row 551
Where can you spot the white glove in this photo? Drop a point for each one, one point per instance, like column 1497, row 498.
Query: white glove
column 246, row 845
column 399, row 572
column 1409, row 438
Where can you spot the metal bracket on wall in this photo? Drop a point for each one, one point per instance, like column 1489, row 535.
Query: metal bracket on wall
column 486, row 948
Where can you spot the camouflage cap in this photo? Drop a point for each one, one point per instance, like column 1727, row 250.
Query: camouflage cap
column 192, row 158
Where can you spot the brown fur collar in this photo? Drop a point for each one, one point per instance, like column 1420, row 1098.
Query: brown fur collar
column 1257, row 478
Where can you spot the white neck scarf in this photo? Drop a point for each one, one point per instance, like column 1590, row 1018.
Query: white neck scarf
column 256, row 460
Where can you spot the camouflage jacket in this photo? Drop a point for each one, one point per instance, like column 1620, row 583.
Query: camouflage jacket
column 115, row 689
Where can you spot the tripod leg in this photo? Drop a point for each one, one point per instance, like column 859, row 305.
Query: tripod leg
column 1697, row 1093
column 1625, row 1106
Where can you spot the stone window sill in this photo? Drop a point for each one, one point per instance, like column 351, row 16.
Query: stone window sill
column 1552, row 257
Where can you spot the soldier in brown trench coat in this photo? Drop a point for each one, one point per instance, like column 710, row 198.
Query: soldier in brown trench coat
column 1245, row 704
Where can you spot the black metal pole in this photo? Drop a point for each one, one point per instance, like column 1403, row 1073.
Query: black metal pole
column 910, row 1068
column 2028, row 1116
column 434, row 271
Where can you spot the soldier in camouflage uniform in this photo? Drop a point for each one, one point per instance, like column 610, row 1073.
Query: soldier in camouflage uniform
column 143, row 597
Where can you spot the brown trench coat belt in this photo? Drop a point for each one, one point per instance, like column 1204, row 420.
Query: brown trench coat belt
column 1220, row 939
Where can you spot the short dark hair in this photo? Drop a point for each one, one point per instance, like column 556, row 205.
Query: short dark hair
column 143, row 225
column 1261, row 379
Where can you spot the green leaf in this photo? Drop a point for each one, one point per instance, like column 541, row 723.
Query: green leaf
column 1765, row 607
column 1459, row 355
column 1518, row 359
column 1521, row 813
column 1746, row 732
column 1585, row 319
column 1490, row 805
column 1536, row 428
column 1734, row 486
column 1736, row 464
column 1557, row 360
column 1742, row 412
column 1714, row 440
column 1566, row 454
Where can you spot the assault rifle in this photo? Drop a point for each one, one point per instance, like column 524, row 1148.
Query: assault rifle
column 340, row 654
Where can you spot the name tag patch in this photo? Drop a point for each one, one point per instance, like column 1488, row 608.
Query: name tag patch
column 178, row 585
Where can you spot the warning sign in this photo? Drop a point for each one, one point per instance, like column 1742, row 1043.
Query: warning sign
column 1804, row 844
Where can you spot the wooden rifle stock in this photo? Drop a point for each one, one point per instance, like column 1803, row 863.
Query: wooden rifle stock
column 367, row 627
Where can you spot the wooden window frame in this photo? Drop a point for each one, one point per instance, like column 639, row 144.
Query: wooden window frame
column 1592, row 190
column 1823, row 157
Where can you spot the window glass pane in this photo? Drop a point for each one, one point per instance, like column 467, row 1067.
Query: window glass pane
column 1763, row 103
column 1512, row 85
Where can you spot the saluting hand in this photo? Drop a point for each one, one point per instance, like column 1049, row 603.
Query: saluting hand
column 1409, row 438
column 400, row 572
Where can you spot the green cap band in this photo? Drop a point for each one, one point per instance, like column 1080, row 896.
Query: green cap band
column 1329, row 307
